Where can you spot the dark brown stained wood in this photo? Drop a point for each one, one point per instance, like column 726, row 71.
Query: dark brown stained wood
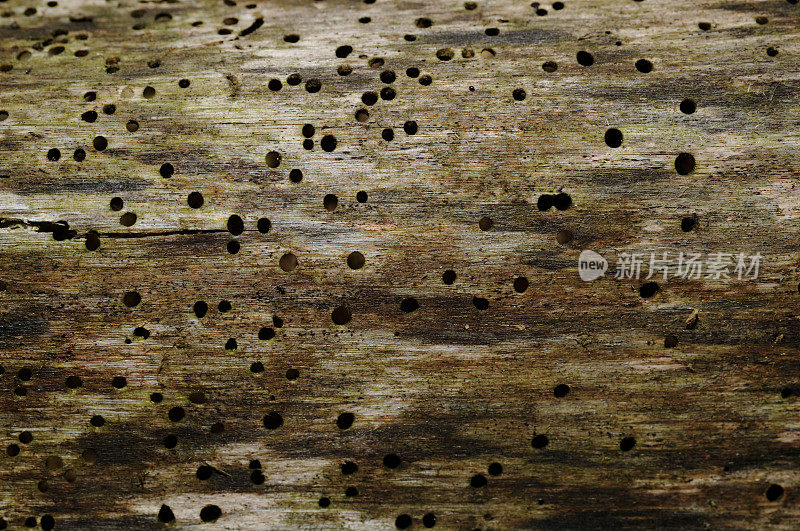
column 314, row 264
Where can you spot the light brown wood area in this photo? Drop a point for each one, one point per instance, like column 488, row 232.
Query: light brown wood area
column 314, row 264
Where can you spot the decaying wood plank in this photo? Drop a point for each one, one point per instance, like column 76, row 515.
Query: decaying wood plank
column 314, row 264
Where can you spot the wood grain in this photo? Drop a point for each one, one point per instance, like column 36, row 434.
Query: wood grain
column 448, row 387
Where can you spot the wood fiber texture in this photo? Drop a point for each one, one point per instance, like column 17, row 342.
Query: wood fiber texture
column 188, row 341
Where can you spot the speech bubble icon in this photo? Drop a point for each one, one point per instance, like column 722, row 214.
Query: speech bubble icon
column 591, row 265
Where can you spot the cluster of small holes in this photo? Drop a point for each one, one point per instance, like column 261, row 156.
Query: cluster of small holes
column 684, row 164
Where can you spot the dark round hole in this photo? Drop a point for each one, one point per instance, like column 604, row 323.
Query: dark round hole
column 330, row 202
column 273, row 421
column 328, row 143
column 288, row 262
column 100, row 143
column 644, row 66
column 79, row 155
column 369, row 98
column 627, row 444
column 118, row 382
column 97, row 421
column 235, row 225
column 355, row 260
column 774, row 492
column 495, row 469
column 480, row 303
column 131, row 299
column 324, row 502
column 176, row 414
column 429, row 520
column 545, row 202
column 204, row 472
column 341, row 315
column 348, row 468
column 210, row 513
column 585, row 58
column 561, row 390
column 485, row 223
column 409, row 304
column 387, row 134
column 388, row 93
column 128, row 219
column 477, row 481
column 313, row 86
column 343, row 51
column 684, row 163
column 345, row 420
column 391, row 461
column 361, row 196
column 688, row 106
column 292, row 374
column 200, row 309
column 648, row 289
column 388, row 76
column 403, row 521
column 263, row 225
column 165, row 514
column 562, row 201
column 520, row 284
column 167, row 170
column 266, row 334
column 410, row 127
column 195, row 200
column 362, row 115
column 273, row 159
column 53, row 155
column 613, row 138
column 540, row 441
column 449, row 276
column 688, row 223
column 274, row 85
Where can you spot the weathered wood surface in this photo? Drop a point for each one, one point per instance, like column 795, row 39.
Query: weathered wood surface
column 448, row 388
